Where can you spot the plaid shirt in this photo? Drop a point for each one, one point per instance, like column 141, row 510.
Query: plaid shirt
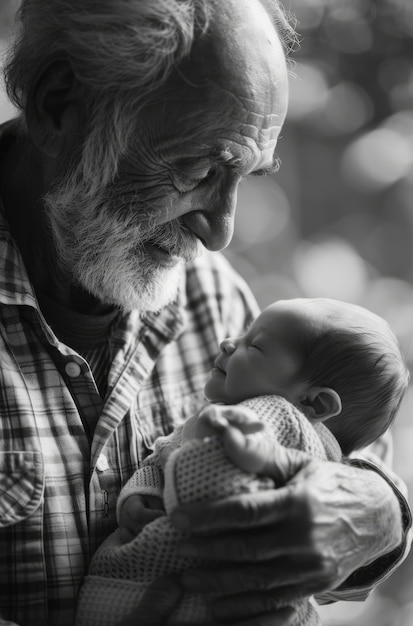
column 59, row 484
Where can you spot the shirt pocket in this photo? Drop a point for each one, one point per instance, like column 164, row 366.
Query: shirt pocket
column 21, row 485
column 23, row 594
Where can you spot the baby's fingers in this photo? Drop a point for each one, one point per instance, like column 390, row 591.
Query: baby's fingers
column 135, row 513
column 219, row 418
column 133, row 526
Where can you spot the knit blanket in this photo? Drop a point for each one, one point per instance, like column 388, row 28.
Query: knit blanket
column 196, row 470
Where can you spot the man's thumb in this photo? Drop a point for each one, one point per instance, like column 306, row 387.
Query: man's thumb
column 259, row 454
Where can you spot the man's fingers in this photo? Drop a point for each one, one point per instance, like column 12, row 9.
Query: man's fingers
column 164, row 595
column 287, row 571
column 245, row 449
column 282, row 617
column 242, row 511
column 250, row 546
column 253, row 609
column 282, row 464
column 256, row 452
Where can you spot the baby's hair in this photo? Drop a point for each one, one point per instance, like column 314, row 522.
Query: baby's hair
column 363, row 363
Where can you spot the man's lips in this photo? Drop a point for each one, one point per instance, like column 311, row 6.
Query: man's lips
column 161, row 256
column 171, row 254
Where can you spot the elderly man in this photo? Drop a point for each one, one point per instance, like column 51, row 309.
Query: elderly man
column 138, row 122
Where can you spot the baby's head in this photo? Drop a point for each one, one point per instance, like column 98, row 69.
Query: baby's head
column 337, row 362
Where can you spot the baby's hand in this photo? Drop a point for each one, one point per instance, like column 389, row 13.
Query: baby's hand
column 217, row 419
column 136, row 512
column 240, row 430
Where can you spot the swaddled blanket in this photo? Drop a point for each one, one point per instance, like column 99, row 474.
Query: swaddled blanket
column 195, row 470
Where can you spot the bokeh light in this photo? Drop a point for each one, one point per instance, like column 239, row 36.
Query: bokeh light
column 264, row 220
column 347, row 31
column 308, row 90
column 330, row 268
column 377, row 159
column 347, row 109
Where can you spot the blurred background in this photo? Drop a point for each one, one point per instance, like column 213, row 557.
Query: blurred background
column 337, row 220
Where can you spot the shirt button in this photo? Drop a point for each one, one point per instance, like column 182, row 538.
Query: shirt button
column 102, row 465
column 73, row 369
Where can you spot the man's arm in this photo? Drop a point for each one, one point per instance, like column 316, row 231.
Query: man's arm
column 361, row 583
column 377, row 457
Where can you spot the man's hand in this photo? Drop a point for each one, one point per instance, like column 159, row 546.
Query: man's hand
column 136, row 512
column 163, row 596
column 301, row 539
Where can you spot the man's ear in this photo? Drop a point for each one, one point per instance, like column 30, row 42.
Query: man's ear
column 320, row 403
column 53, row 111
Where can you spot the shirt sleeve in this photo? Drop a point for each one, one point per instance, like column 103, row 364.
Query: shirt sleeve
column 362, row 582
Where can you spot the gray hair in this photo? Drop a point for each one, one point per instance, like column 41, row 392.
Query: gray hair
column 120, row 50
column 112, row 45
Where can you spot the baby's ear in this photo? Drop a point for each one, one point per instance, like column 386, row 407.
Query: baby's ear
column 320, row 403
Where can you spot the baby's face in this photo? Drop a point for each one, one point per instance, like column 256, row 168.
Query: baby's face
column 265, row 360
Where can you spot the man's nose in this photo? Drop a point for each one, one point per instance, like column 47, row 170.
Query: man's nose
column 213, row 222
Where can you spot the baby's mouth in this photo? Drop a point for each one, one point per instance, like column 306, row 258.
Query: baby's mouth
column 218, row 365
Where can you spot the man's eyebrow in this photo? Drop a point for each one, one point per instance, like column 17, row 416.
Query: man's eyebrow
column 226, row 157
column 270, row 169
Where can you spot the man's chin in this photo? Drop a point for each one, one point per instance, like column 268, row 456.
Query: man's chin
column 150, row 295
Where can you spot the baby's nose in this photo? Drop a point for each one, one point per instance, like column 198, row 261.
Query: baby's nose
column 227, row 346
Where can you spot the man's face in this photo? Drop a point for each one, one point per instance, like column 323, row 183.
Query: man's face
column 215, row 121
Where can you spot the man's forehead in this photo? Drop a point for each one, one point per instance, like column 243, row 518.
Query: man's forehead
column 238, row 63
column 215, row 124
column 240, row 38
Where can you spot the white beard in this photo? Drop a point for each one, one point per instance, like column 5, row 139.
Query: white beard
column 118, row 275
column 100, row 244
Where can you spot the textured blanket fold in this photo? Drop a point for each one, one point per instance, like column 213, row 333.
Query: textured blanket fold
column 195, row 470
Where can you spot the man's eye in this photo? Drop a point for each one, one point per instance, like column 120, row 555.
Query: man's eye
column 186, row 182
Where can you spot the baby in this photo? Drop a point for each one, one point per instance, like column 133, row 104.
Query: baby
column 318, row 375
